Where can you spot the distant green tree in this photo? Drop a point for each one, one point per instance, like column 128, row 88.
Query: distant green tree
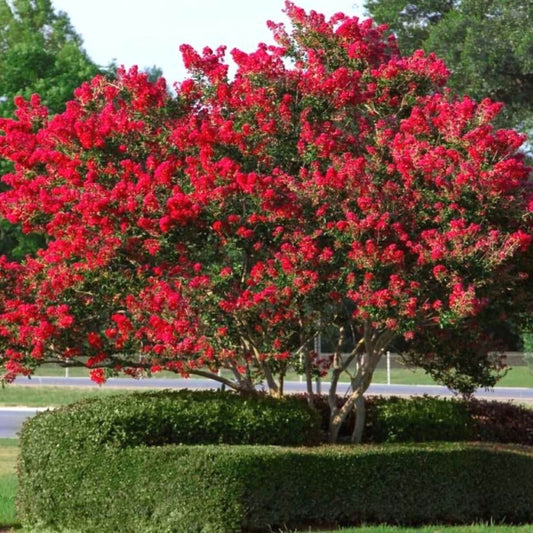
column 154, row 73
column 40, row 52
column 487, row 44
column 411, row 21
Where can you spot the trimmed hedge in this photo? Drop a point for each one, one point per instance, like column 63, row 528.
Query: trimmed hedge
column 157, row 418
column 418, row 419
column 501, row 422
column 228, row 489
column 425, row 419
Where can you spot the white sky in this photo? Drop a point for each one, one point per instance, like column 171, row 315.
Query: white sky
column 146, row 33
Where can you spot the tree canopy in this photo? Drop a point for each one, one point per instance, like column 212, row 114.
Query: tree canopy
column 487, row 44
column 332, row 186
column 40, row 53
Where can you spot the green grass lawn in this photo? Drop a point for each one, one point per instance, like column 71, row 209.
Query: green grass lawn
column 16, row 395
column 8, row 482
column 517, row 376
column 441, row 529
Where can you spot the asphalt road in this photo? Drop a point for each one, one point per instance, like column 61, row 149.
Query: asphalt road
column 12, row 418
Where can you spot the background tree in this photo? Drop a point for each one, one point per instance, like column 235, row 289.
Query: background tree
column 154, row 73
column 330, row 186
column 40, row 52
column 487, row 45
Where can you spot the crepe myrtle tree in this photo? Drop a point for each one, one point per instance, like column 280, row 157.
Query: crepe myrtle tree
column 331, row 185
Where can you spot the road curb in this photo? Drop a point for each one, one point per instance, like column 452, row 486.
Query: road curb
column 25, row 408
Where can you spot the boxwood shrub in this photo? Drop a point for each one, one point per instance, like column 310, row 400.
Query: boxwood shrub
column 228, row 489
column 157, row 418
column 424, row 418
column 418, row 419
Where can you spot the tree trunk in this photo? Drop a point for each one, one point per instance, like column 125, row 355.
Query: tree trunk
column 366, row 356
column 281, row 382
column 334, row 427
column 273, row 388
column 309, row 379
column 360, row 384
column 360, row 415
column 338, row 416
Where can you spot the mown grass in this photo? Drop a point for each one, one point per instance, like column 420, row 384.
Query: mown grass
column 47, row 396
column 8, row 482
column 518, row 376
column 482, row 528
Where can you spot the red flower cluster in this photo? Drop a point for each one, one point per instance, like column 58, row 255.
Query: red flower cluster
column 331, row 181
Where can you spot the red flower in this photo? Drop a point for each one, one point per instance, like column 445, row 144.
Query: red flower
column 98, row 376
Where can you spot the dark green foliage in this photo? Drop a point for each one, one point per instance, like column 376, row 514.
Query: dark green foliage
column 415, row 419
column 418, row 419
column 459, row 357
column 422, row 419
column 411, row 21
column 173, row 417
column 14, row 243
column 193, row 489
column 107, row 443
column 439, row 419
column 41, row 53
column 501, row 422
column 486, row 44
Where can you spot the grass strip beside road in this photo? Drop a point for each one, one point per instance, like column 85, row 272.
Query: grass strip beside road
column 48, row 396
column 8, row 482
column 519, row 376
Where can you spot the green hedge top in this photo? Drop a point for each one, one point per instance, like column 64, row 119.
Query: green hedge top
column 158, row 418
